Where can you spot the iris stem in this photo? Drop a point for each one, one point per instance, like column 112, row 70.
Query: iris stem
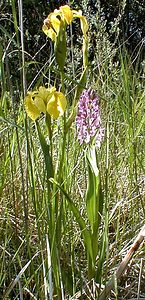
column 64, row 130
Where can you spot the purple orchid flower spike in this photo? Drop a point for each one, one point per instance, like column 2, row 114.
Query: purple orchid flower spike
column 88, row 120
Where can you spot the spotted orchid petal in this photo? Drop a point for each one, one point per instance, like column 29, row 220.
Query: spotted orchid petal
column 88, row 120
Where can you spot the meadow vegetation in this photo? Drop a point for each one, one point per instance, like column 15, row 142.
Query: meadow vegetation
column 54, row 244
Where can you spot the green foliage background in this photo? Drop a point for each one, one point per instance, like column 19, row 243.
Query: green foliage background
column 112, row 24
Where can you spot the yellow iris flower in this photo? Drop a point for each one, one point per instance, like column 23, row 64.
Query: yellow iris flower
column 43, row 100
column 59, row 18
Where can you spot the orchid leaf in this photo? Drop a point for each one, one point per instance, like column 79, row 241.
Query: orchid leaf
column 94, row 197
column 85, row 232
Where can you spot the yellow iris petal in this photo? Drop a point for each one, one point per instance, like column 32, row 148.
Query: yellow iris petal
column 83, row 21
column 40, row 104
column 49, row 32
column 61, row 102
column 31, row 109
column 56, row 105
column 44, row 94
column 55, row 22
column 51, row 25
column 84, row 25
column 52, row 90
column 67, row 13
column 52, row 107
